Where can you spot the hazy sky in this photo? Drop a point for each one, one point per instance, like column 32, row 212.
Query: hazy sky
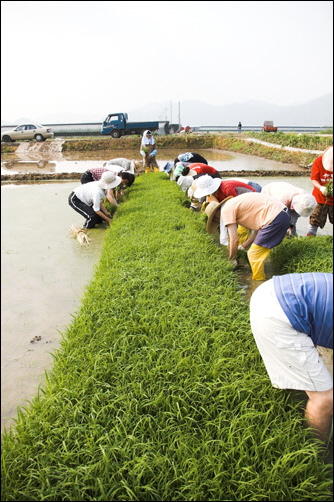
column 98, row 57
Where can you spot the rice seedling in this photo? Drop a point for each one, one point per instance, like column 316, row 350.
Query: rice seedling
column 80, row 234
column 158, row 391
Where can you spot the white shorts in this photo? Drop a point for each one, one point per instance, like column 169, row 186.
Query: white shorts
column 290, row 357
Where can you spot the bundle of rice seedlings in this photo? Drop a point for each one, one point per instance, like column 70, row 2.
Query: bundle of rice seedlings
column 80, row 234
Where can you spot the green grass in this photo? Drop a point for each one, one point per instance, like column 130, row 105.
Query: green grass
column 158, row 391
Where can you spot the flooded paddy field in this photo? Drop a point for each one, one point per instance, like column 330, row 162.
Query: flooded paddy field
column 44, row 271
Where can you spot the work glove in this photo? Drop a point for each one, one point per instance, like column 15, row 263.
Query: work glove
column 323, row 190
column 241, row 248
column 142, row 153
column 234, row 263
column 153, row 153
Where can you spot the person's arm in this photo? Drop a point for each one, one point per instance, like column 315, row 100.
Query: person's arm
column 250, row 240
column 111, row 198
column 104, row 216
column 233, row 240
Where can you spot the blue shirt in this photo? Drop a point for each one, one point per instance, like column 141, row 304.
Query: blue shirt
column 307, row 301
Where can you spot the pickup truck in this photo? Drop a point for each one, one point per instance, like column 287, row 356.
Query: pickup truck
column 268, row 126
column 117, row 125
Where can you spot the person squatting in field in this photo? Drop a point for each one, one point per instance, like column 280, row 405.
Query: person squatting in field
column 87, row 199
column 322, row 180
column 94, row 174
column 298, row 202
column 290, row 316
column 148, row 150
column 266, row 217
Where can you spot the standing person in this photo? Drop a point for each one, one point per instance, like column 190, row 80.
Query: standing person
column 190, row 157
column 198, row 169
column 87, row 199
column 290, row 316
column 239, row 127
column 148, row 149
column 267, row 217
column 298, row 202
column 322, row 179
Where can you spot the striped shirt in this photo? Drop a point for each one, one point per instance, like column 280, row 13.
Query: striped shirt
column 307, row 301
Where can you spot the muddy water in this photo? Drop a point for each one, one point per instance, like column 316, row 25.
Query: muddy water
column 57, row 162
column 44, row 271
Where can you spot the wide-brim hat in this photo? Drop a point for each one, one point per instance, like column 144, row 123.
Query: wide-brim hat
column 327, row 159
column 109, row 180
column 192, row 173
column 304, row 204
column 206, row 185
column 185, row 182
column 211, row 208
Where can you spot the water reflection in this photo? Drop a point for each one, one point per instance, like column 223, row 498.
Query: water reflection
column 81, row 161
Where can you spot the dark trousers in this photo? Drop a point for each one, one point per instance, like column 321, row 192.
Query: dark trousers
column 87, row 212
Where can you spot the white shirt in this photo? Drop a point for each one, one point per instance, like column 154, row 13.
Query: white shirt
column 91, row 194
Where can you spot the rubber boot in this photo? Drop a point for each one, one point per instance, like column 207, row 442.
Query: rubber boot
column 312, row 231
column 147, row 170
column 156, row 169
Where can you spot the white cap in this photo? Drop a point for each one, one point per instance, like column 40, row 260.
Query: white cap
column 304, row 204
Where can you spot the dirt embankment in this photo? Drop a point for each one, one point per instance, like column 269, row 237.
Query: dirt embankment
column 76, row 176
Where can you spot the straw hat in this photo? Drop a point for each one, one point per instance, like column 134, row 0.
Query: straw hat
column 206, row 185
column 327, row 159
column 109, row 180
column 304, row 204
column 211, row 208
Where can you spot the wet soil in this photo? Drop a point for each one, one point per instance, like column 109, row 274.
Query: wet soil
column 76, row 176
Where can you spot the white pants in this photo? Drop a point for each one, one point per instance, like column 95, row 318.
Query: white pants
column 290, row 357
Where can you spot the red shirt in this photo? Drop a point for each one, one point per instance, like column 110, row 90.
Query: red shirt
column 322, row 176
column 203, row 168
column 228, row 188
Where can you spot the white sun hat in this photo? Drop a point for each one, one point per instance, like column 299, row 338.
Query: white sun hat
column 304, row 204
column 185, row 182
column 109, row 180
column 206, row 185
column 327, row 159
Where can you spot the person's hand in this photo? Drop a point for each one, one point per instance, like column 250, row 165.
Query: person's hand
column 234, row 262
column 142, row 153
column 241, row 248
column 324, row 191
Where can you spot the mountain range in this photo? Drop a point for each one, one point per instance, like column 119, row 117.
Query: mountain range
column 316, row 113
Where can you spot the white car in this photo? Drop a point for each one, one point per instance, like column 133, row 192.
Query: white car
column 27, row 131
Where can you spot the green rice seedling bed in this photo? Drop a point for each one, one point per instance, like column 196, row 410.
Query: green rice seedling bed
column 158, row 392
